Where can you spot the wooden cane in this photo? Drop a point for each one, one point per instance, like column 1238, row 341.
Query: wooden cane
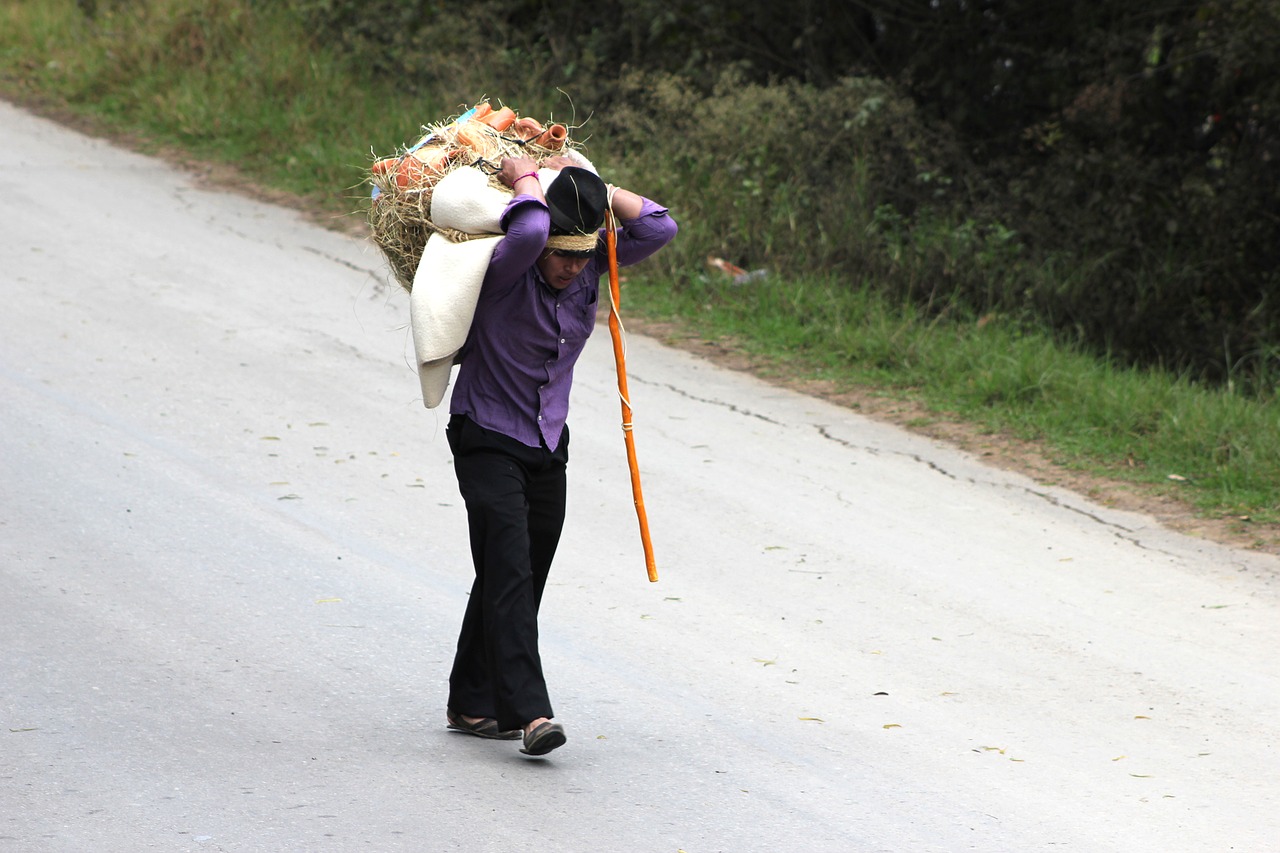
column 619, row 358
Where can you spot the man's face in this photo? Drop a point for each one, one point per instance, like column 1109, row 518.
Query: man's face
column 560, row 270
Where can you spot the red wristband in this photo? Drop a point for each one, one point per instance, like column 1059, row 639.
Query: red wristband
column 522, row 177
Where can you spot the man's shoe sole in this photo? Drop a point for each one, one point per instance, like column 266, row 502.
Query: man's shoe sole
column 543, row 739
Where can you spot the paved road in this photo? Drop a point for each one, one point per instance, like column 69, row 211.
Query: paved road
column 231, row 554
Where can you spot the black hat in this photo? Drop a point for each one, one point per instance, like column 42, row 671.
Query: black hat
column 577, row 199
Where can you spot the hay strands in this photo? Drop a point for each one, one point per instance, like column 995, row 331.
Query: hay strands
column 400, row 200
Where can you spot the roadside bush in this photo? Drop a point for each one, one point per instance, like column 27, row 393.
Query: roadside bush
column 786, row 177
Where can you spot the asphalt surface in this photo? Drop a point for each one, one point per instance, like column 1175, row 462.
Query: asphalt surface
column 233, row 564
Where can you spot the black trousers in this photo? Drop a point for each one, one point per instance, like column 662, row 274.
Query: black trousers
column 515, row 498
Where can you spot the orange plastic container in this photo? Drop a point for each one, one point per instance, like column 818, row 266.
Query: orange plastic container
column 553, row 137
column 498, row 119
column 527, row 128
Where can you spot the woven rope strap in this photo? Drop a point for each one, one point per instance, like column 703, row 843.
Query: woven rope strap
column 453, row 235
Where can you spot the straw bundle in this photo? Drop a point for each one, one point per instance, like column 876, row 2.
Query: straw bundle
column 400, row 209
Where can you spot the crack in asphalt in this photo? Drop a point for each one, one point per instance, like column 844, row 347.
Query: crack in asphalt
column 875, row 451
column 1121, row 531
column 341, row 261
column 729, row 406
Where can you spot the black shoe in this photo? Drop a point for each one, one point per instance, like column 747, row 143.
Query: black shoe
column 543, row 739
column 486, row 727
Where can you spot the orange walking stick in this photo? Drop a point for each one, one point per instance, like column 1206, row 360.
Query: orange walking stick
column 619, row 358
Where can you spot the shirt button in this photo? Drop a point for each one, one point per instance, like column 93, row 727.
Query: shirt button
column 562, row 340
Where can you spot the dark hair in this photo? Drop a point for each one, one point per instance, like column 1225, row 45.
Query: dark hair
column 570, row 253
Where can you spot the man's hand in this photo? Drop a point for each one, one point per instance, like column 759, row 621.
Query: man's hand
column 522, row 171
column 558, row 162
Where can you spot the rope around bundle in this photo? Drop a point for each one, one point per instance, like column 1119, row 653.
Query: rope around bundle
column 400, row 206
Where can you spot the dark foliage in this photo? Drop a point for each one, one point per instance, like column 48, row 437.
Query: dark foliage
column 1132, row 149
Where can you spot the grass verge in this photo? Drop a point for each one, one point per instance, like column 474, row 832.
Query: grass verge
column 1212, row 450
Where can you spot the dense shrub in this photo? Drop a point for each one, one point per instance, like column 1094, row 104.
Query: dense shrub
column 773, row 175
column 956, row 151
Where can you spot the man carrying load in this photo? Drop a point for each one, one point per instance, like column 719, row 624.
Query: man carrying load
column 507, row 428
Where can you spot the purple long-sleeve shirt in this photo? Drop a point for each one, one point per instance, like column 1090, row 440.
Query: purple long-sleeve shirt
column 517, row 362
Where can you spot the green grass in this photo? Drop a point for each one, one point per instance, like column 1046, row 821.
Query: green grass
column 246, row 89
column 1124, row 423
column 243, row 85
